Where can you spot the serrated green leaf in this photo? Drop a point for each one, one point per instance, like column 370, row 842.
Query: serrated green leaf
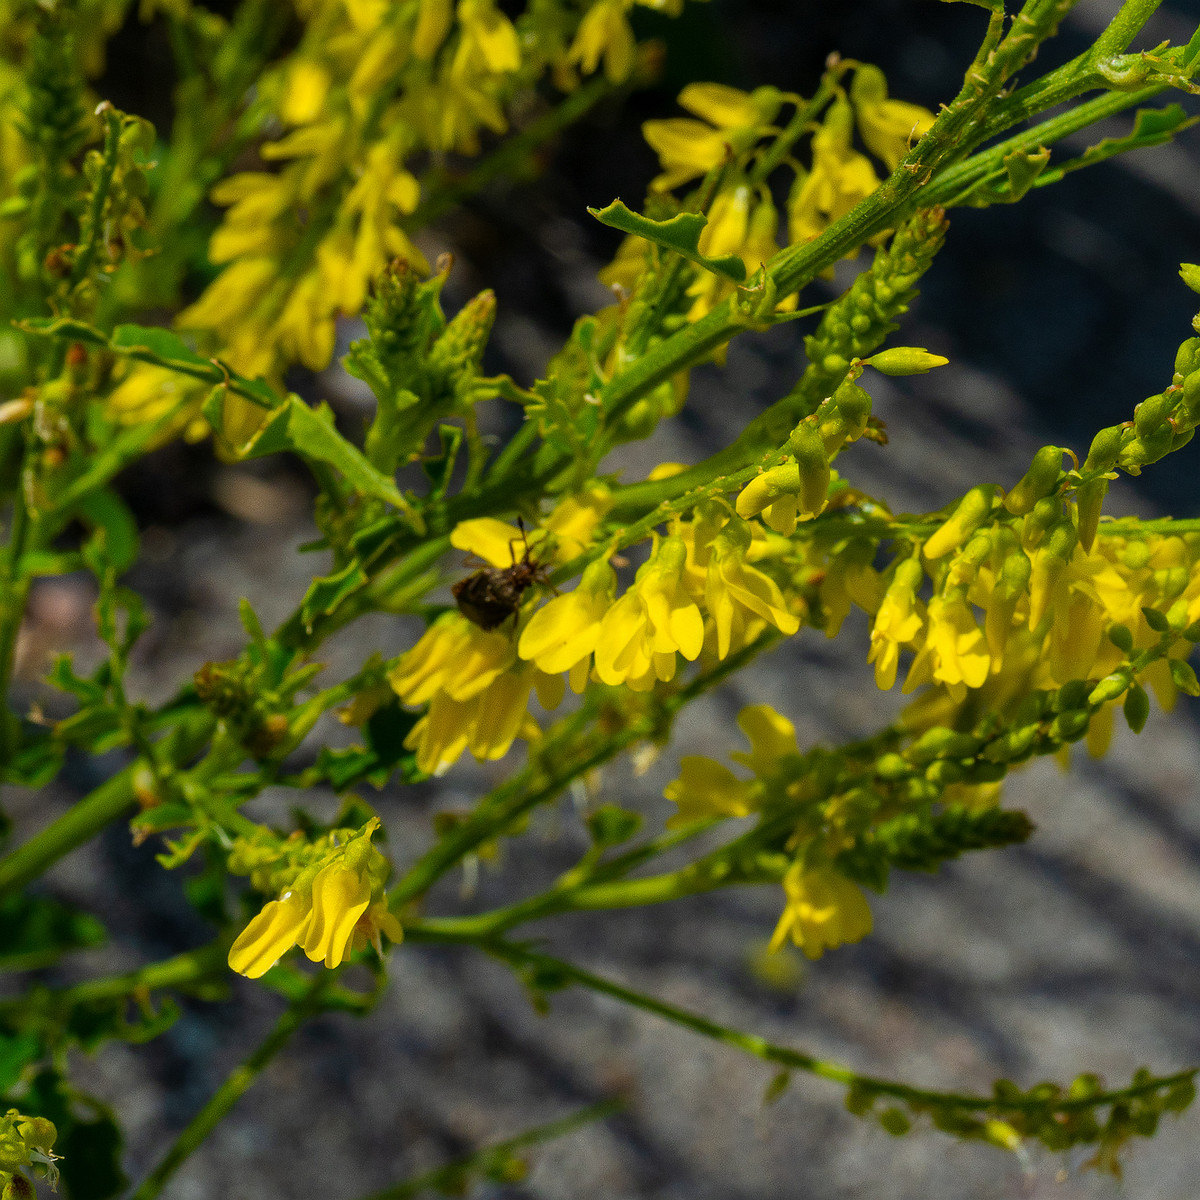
column 327, row 592
column 680, row 234
column 1151, row 127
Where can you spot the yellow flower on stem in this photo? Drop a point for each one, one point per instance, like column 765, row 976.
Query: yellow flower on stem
column 889, row 127
column 705, row 788
column 562, row 634
column 688, row 148
column 605, row 33
column 657, row 617
column 735, row 591
column 897, row 623
column 321, row 911
column 839, row 179
column 772, row 739
column 955, row 651
column 824, row 910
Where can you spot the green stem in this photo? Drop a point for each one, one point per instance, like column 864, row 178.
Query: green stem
column 96, row 810
column 14, row 591
column 94, row 223
column 783, row 1056
column 450, row 1178
column 232, row 1090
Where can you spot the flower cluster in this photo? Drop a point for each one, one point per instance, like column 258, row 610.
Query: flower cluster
column 331, row 900
column 370, row 89
column 699, row 592
column 25, row 1142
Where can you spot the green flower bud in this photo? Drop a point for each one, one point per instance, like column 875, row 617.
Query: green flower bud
column 1137, row 707
column 945, row 771
column 1190, row 390
column 854, row 405
column 1106, row 447
column 905, row 360
column 808, row 449
column 1038, row 520
column 1121, row 637
column 1070, row 726
column 941, row 742
column 1190, row 274
column 764, row 489
column 1187, row 357
column 1089, row 497
column 1040, row 480
column 1109, row 688
column 973, row 509
column 1184, row 677
column 1013, row 746
column 1142, row 451
column 1151, row 413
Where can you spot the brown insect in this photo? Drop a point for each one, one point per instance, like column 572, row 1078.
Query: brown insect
column 492, row 594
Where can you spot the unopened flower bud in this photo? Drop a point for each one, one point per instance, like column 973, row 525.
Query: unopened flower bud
column 808, row 449
column 1039, row 481
column 1151, row 413
column 1089, row 497
column 973, row 509
column 1106, row 447
column 1190, row 274
column 1110, row 688
column 1187, row 357
column 854, row 406
column 763, row 489
column 1048, row 567
column 905, row 360
column 1039, row 519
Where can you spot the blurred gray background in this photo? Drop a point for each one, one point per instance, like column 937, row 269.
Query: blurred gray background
column 1077, row 951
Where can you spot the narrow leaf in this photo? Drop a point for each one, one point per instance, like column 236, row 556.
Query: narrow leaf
column 681, row 234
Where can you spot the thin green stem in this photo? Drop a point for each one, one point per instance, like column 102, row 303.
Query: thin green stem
column 557, row 969
column 86, row 818
column 94, row 222
column 232, row 1090
column 450, row 1178
column 14, row 591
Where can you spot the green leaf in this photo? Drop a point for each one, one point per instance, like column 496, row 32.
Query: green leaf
column 681, row 234
column 1024, row 167
column 309, row 432
column 1151, row 127
column 109, row 515
column 328, row 591
column 162, row 344
column 17, row 1051
column 383, row 754
column 609, row 825
column 35, row 930
column 1137, row 708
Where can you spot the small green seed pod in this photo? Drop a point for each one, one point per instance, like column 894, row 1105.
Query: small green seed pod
column 1040, row 480
column 1187, row 357
column 854, row 406
column 905, row 360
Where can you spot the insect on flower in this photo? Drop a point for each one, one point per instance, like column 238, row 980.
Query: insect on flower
column 492, row 594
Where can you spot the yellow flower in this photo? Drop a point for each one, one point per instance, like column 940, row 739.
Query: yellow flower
column 897, row 623
column 889, row 127
column 705, row 788
column 453, row 656
column 688, row 148
column 641, row 633
column 955, row 651
column 340, row 895
column 486, row 723
column 734, row 591
column 824, row 910
column 487, row 41
column 562, row 634
column 839, row 179
column 772, row 739
column 269, row 935
column 605, row 33
column 321, row 911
